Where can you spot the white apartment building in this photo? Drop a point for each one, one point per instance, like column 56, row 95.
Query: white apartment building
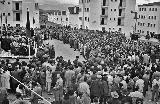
column 74, row 17
column 58, row 17
column 111, row 15
column 16, row 12
column 149, row 18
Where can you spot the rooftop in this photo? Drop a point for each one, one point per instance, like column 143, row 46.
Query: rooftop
column 151, row 4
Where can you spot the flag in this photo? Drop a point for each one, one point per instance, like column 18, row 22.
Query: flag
column 6, row 20
column 33, row 20
column 28, row 25
column 1, row 18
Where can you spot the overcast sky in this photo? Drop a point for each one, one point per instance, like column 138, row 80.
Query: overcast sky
column 76, row 1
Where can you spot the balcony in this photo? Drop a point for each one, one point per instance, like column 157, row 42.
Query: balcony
column 14, row 10
column 121, row 15
column 105, row 3
column 122, row 4
column 105, row 15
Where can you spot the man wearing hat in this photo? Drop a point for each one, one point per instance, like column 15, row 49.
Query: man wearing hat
column 34, row 96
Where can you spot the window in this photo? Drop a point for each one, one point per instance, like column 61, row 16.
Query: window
column 80, row 9
column 155, row 17
column 138, row 30
column 114, row 9
column 151, row 25
column 59, row 13
column 102, row 21
column 149, row 17
column 155, row 9
column 87, row 9
column 63, row 12
column 17, row 6
column 9, row 14
column 141, row 17
column 85, row 18
column 88, row 19
column 3, row 14
column 114, row 19
column 138, row 23
column 142, row 31
column 152, row 9
column 110, row 19
column 111, row 9
column 80, row 18
column 144, row 9
column 17, row 25
column 148, row 24
column 154, row 25
column 139, row 9
column 66, row 19
column 152, row 17
column 57, row 19
column 9, row 3
column 143, row 24
column 149, row 9
column 17, row 16
column 55, row 13
column 144, row 17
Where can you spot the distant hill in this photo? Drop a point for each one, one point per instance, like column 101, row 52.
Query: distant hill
column 55, row 6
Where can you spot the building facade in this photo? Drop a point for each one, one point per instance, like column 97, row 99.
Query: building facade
column 149, row 19
column 58, row 17
column 14, row 12
column 74, row 16
column 109, row 15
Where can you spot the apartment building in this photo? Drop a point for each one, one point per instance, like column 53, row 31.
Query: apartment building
column 14, row 12
column 89, row 14
column 149, row 18
column 116, row 15
column 74, row 16
column 58, row 17
column 109, row 15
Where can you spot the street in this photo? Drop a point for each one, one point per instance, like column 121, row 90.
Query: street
column 68, row 54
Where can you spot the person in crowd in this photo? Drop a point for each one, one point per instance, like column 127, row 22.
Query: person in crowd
column 4, row 94
column 58, row 89
column 36, row 93
column 19, row 99
column 48, row 79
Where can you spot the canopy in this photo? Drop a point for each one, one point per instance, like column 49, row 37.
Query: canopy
column 154, row 41
column 143, row 39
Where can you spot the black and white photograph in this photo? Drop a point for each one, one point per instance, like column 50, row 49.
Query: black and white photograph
column 79, row 51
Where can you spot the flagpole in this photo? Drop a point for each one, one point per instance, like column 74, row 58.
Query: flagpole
column 1, row 23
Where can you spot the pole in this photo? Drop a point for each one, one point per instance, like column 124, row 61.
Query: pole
column 30, row 89
column 83, row 27
column 29, row 49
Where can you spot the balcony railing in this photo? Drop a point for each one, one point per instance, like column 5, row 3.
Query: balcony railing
column 104, row 15
column 122, row 15
column 123, row 5
column 15, row 10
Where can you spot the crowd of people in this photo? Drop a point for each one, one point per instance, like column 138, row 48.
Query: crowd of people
column 117, row 70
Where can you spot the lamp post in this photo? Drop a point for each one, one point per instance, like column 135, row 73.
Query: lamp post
column 136, row 18
column 2, row 2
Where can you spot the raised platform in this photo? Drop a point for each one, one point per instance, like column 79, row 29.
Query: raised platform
column 14, row 57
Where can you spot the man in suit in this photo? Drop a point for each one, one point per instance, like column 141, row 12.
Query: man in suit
column 3, row 93
column 38, row 90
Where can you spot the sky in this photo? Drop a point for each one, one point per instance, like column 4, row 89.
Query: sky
column 76, row 1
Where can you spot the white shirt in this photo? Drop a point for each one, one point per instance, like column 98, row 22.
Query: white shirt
column 154, row 82
column 136, row 94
